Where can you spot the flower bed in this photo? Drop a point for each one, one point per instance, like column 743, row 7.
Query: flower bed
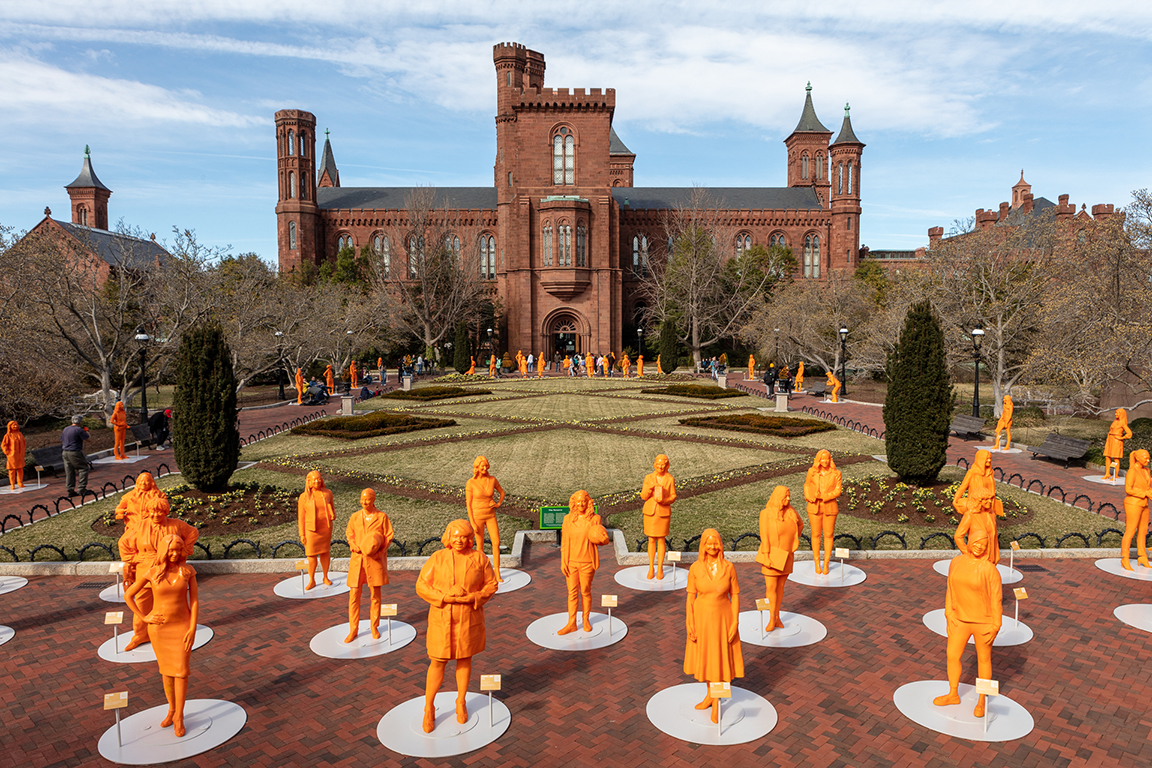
column 702, row 391
column 434, row 393
column 369, row 425
column 243, row 508
column 888, row 500
column 778, row 426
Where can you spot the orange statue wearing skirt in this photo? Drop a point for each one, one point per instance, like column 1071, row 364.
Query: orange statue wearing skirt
column 580, row 534
column 1137, row 489
column 1118, row 432
column 658, row 493
column 780, row 529
column 14, row 446
column 712, row 653
column 822, row 487
column 315, row 514
column 369, row 534
column 119, row 430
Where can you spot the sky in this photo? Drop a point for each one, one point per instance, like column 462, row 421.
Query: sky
column 953, row 99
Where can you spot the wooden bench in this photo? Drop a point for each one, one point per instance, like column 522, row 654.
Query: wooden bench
column 49, row 458
column 819, row 390
column 1062, row 448
column 967, row 426
column 141, row 434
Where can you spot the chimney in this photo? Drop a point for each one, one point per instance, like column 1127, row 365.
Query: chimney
column 1004, row 208
column 934, row 236
column 1027, row 202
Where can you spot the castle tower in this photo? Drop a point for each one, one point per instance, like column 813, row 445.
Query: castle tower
column 297, row 215
column 808, row 151
column 1021, row 190
column 89, row 197
column 845, row 154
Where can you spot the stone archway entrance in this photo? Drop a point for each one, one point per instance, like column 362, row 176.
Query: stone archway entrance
column 565, row 334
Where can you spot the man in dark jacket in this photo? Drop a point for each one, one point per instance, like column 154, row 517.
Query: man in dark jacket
column 75, row 462
column 770, row 376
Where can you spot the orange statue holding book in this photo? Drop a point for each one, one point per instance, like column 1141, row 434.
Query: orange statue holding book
column 315, row 514
column 1137, row 490
column 658, row 493
column 834, row 393
column 980, row 508
column 1118, row 432
column 14, row 446
column 299, row 386
column 712, row 653
column 1005, row 424
column 798, row 384
column 973, row 609
column 329, row 380
column 479, row 494
column 369, row 534
column 119, row 422
column 822, row 487
column 170, row 616
column 456, row 582
column 780, row 529
column 580, row 534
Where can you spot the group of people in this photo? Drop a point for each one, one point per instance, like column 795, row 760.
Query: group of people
column 783, row 377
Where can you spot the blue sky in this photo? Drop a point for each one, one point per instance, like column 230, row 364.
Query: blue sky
column 953, row 99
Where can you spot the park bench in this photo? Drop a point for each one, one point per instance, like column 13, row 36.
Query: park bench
column 967, row 426
column 48, row 458
column 1062, row 448
column 141, row 434
column 818, row 390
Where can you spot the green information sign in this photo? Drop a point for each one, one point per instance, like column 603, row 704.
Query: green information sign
column 552, row 518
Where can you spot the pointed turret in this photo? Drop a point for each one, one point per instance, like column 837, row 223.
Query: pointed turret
column 329, row 174
column 808, row 151
column 809, row 123
column 1021, row 191
column 845, row 155
column 89, row 196
column 846, row 135
column 620, row 160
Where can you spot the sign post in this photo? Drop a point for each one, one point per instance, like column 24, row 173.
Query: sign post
column 720, row 691
column 388, row 610
column 552, row 519
column 609, row 602
column 842, row 555
column 1012, row 554
column 763, row 604
column 987, row 688
column 118, row 569
column 301, row 565
column 114, row 618
column 489, row 683
column 672, row 557
column 1021, row 594
column 116, row 701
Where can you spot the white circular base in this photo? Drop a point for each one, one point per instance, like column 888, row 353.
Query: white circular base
column 838, row 575
column 636, row 577
column 513, row 580
column 798, row 630
column 1112, row 565
column 543, row 631
column 293, row 588
column 744, row 717
column 6, row 634
column 208, row 724
column 1099, row 479
column 1007, row 720
column 11, row 583
column 113, row 593
column 402, row 732
column 1007, row 575
column 1010, row 632
column 27, row 487
column 1004, row 450
column 113, row 460
column 112, row 649
column 330, row 643
column 1134, row 615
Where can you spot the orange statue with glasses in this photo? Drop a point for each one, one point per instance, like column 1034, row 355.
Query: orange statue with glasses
column 822, row 487
column 479, row 498
column 780, row 529
column 580, row 534
column 712, row 653
column 369, row 534
column 658, row 493
column 1137, row 489
column 119, row 422
column 315, row 514
column 14, row 446
column 1118, row 432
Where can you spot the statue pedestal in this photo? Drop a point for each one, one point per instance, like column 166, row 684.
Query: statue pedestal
column 804, row 572
column 27, row 487
column 798, row 630
column 1011, row 632
column 1006, row 720
column 636, row 577
column 401, row 731
column 293, row 588
column 11, row 583
column 744, row 717
column 543, row 631
column 781, row 402
column 1134, row 615
column 513, row 580
column 208, row 724
column 112, row 649
column 113, row 593
column 6, row 634
column 330, row 643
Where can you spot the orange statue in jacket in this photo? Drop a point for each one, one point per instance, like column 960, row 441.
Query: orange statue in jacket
column 580, row 534
column 353, row 374
column 981, row 507
column 1005, row 423
column 119, row 423
column 1118, row 432
column 14, row 446
column 639, row 366
column 299, row 386
column 658, row 493
column 1137, row 489
column 368, row 534
column 330, row 380
column 780, row 529
column 315, row 514
column 834, row 394
column 822, row 488
column 712, row 653
column 798, row 384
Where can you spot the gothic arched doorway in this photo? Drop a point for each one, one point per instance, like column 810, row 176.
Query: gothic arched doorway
column 565, row 333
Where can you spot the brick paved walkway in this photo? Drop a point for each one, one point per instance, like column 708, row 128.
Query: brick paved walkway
column 1084, row 678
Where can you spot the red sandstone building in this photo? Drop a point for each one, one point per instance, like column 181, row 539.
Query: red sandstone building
column 565, row 234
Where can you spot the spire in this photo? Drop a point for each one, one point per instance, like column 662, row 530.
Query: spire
column 329, row 174
column 808, row 120
column 846, row 135
column 87, row 178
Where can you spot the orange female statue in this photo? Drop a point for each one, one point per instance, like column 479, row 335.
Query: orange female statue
column 834, row 394
column 639, row 366
column 315, row 514
column 456, row 582
column 780, row 529
column 329, row 379
column 353, row 374
column 492, row 367
column 299, row 386
column 472, row 366
column 540, row 366
column 369, row 534
column 1137, row 490
column 119, row 423
column 626, row 365
column 822, row 488
column 134, row 505
column 479, row 493
column 751, row 367
column 580, row 534
column 1118, row 432
column 1005, row 424
column 14, row 446
column 590, row 365
column 712, row 653
column 658, row 493
column 798, row 384
column 171, row 621
column 981, row 507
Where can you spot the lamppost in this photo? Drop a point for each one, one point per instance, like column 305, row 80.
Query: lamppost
column 448, row 359
column 640, row 341
column 844, row 361
column 776, row 355
column 977, row 339
column 280, row 361
column 143, row 339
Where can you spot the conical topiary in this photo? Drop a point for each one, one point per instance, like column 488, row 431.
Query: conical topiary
column 669, row 346
column 204, row 435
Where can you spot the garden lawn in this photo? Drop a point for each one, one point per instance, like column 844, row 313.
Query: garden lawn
column 567, row 407
column 840, row 440
column 287, row 444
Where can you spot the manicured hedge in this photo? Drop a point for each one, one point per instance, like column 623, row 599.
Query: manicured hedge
column 435, row 393
column 778, row 426
column 369, row 425
column 702, row 391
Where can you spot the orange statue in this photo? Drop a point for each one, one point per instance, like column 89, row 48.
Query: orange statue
column 981, row 507
column 315, row 514
column 14, row 446
column 472, row 367
column 540, row 366
column 798, row 384
column 658, row 493
column 712, row 653
column 299, row 386
column 639, row 366
column 1118, row 432
column 833, row 382
column 521, row 363
column 780, row 529
column 455, row 582
column 1005, row 423
column 380, row 367
column 589, row 365
column 659, row 367
column 751, row 367
column 478, row 497
column 368, row 534
column 625, row 365
column 822, row 487
column 580, row 534
column 330, row 380
column 134, row 505
column 567, row 365
column 171, row 621
column 1137, row 489
column 973, row 609
column 353, row 374
column 492, row 367
column 119, row 423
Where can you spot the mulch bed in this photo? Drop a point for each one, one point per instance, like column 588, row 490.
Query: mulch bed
column 246, row 507
column 702, row 391
column 434, row 393
column 370, row 425
column 778, row 426
column 887, row 500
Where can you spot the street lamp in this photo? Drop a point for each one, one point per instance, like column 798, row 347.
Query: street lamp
column 640, row 341
column 844, row 360
column 280, row 361
column 776, row 355
column 142, row 339
column 977, row 339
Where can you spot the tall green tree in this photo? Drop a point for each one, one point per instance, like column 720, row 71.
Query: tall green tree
column 918, row 406
column 204, row 434
column 669, row 346
column 460, row 353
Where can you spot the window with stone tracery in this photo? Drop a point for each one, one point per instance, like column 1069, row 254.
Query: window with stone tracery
column 546, row 245
column 804, row 165
column 563, row 157
column 292, row 235
column 743, row 243
column 640, row 255
column 291, row 142
column 487, row 257
column 564, row 233
column 819, row 166
column 581, row 247
column 812, row 256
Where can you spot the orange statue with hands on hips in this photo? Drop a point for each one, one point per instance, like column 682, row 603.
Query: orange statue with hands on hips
column 299, row 386
column 780, row 529
column 456, row 582
column 712, row 653
column 798, row 383
column 479, row 493
column 1118, row 432
column 658, row 493
column 980, row 508
column 822, row 487
column 834, row 395
column 1137, row 489
column 315, row 514
column 1005, row 424
column 14, row 446
column 119, row 423
column 369, row 534
column 580, row 534
column 973, row 609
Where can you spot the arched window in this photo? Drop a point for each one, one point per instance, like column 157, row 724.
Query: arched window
column 581, row 247
column 546, row 245
column 381, row 246
column 804, row 165
column 292, row 184
column 565, row 237
column 303, row 145
column 743, row 242
column 777, row 239
column 487, row 257
column 82, row 215
column 849, row 178
column 291, row 235
column 819, row 166
column 812, row 256
column 291, row 142
column 415, row 255
column 452, row 243
column 344, row 241
column 564, row 157
column 640, row 256
column 840, row 179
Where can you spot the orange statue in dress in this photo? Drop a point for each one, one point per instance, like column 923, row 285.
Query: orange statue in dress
column 540, row 366
column 353, row 374
column 589, row 365
column 478, row 497
column 751, row 367
column 492, row 367
column 369, row 534
column 1005, row 423
column 472, row 367
column 822, row 488
column 299, row 386
column 315, row 514
column 14, row 446
column 330, row 380
column 119, row 423
column 625, row 365
column 981, row 507
column 639, row 366
column 780, row 529
column 798, row 384
column 1118, row 432
column 712, row 653
column 580, row 535
column 171, row 621
column 973, row 609
column 833, row 382
column 658, row 493
column 1137, row 489
column 455, row 582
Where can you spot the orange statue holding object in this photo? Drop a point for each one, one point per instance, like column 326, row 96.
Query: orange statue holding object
column 567, row 365
column 822, row 487
column 1005, row 424
column 658, row 493
column 780, row 529
column 639, row 366
column 834, row 395
column 353, row 374
column 330, row 380
column 1137, row 489
column 299, row 386
column 369, row 534
column 981, row 507
column 798, row 384
column 472, row 366
column 478, row 498
column 14, row 446
column 580, row 534
column 315, row 514
column 171, row 616
column 455, row 582
column 625, row 365
column 751, row 367
column 1118, row 432
column 119, row 422
column 712, row 653
column 973, row 609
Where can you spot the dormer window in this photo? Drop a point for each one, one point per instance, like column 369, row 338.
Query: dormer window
column 564, row 157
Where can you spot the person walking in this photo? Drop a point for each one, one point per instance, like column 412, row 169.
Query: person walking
column 770, row 377
column 75, row 462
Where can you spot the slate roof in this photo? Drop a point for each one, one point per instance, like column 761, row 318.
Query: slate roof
column 808, row 121
column 116, row 248
column 737, row 198
column 396, row 198
column 87, row 177
column 328, row 163
column 846, row 135
column 615, row 146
